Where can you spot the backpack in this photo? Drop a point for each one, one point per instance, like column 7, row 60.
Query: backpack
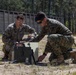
column 21, row 53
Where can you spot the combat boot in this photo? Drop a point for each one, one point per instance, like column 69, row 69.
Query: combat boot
column 60, row 60
column 56, row 60
column 73, row 56
column 5, row 58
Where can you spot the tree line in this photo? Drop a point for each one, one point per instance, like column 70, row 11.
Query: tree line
column 48, row 6
column 64, row 8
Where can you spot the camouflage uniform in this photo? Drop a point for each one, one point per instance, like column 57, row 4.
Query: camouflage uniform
column 12, row 35
column 59, row 38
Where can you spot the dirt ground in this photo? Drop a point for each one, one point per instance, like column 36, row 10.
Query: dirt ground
column 7, row 68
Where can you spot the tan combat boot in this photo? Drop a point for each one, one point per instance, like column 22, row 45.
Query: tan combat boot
column 73, row 56
column 60, row 59
column 5, row 58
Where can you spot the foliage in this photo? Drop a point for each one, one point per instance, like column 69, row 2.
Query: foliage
column 11, row 5
column 53, row 6
column 59, row 8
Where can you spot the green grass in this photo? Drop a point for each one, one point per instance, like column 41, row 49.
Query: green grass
column 74, row 73
column 0, row 34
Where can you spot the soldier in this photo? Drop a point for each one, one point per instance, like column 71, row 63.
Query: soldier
column 59, row 40
column 14, row 33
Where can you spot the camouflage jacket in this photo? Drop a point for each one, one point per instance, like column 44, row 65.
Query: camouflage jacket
column 53, row 27
column 12, row 34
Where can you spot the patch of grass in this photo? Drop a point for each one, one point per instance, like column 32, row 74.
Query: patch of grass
column 74, row 73
column 0, row 34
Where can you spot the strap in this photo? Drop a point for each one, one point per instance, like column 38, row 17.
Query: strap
column 33, row 57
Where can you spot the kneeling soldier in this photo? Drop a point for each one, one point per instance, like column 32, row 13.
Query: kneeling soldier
column 59, row 40
column 14, row 33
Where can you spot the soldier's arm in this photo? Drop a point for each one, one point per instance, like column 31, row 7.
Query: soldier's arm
column 6, row 37
column 40, row 36
column 29, row 29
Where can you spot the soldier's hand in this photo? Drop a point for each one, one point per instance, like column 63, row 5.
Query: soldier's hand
column 40, row 58
column 22, row 41
column 15, row 42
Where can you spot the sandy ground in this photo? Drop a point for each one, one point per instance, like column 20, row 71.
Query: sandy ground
column 7, row 68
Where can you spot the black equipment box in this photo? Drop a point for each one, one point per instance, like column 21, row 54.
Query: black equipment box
column 21, row 53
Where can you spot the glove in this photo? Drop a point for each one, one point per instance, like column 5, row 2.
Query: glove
column 40, row 58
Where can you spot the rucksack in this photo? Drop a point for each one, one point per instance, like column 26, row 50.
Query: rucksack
column 21, row 53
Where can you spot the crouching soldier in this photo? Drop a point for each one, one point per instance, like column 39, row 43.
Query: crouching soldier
column 14, row 33
column 59, row 40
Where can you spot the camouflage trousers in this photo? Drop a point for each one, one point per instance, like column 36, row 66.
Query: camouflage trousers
column 7, row 49
column 59, row 44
